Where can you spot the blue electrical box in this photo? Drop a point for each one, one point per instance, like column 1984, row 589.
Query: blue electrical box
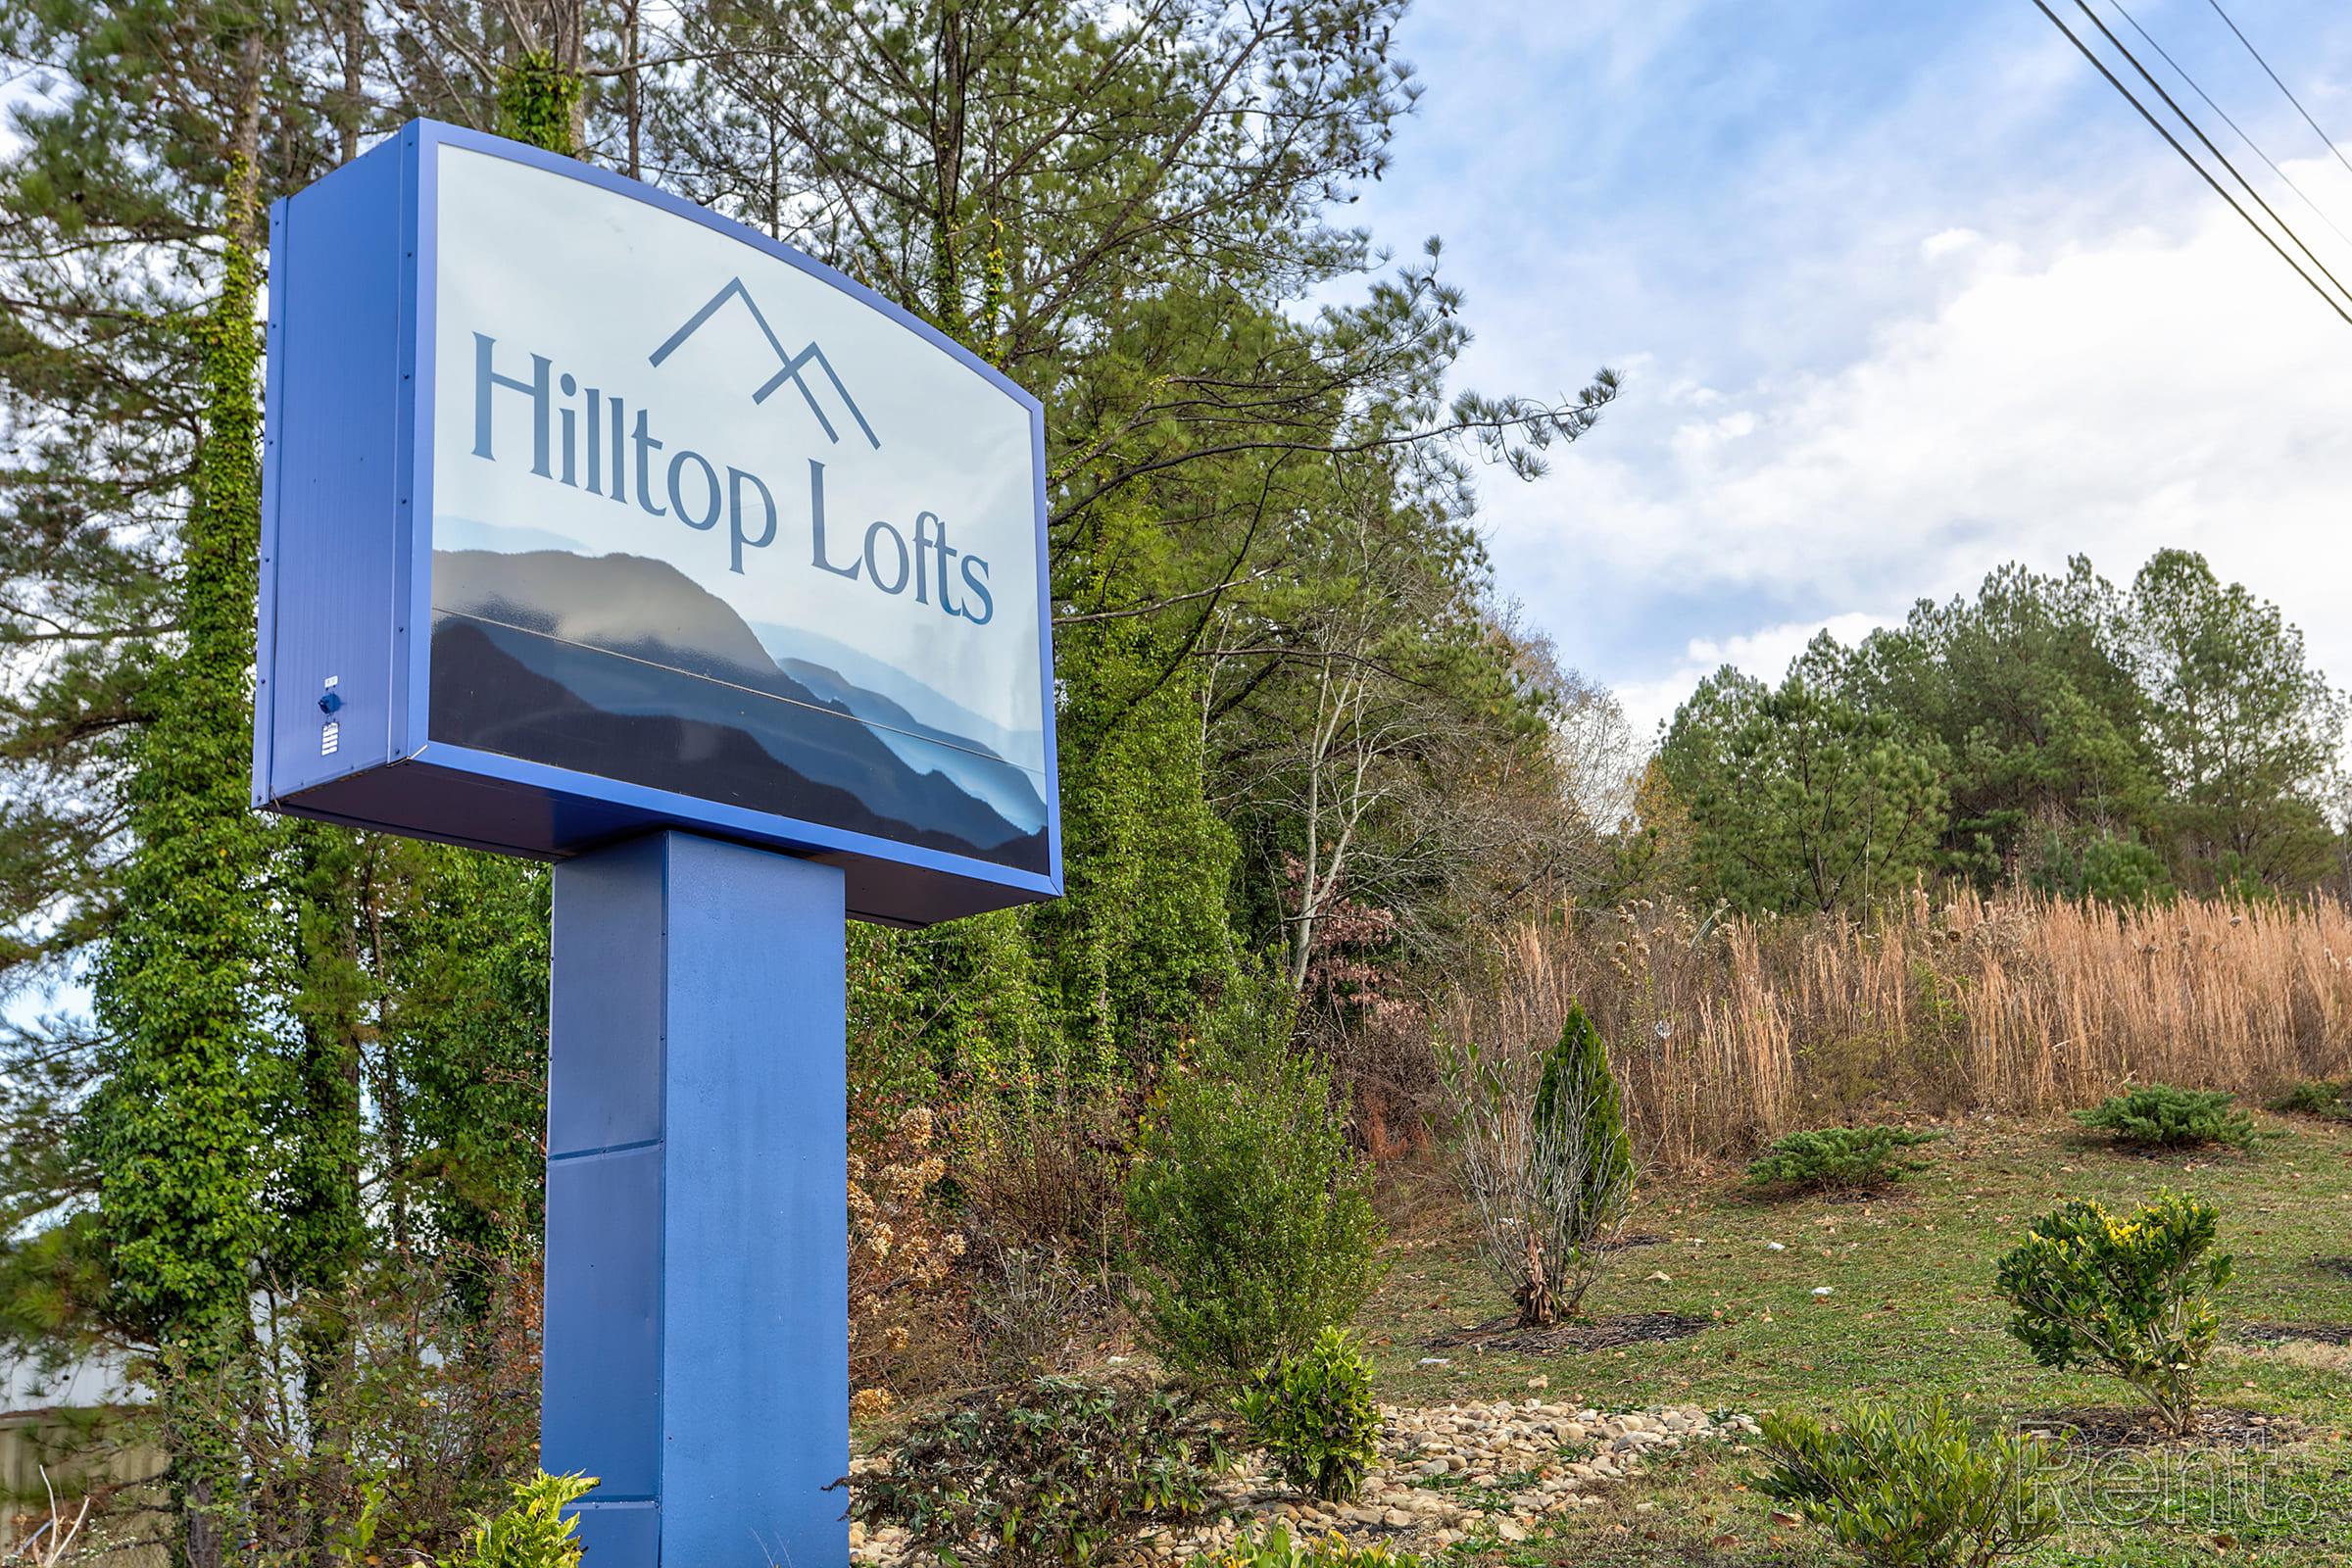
column 588, row 513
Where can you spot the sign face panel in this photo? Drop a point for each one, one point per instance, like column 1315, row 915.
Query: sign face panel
column 704, row 522
column 683, row 530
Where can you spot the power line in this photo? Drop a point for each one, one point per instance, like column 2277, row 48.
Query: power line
column 2189, row 158
column 2198, row 131
column 2282, row 86
column 2286, row 178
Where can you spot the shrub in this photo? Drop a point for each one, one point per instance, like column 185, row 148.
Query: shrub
column 1587, row 1154
column 412, row 1437
column 2160, row 1117
column 1544, row 1158
column 1846, row 1160
column 1918, row 1487
column 1035, row 1311
column 1252, row 1214
column 1313, row 1414
column 1056, row 1473
column 2130, row 1294
column 2314, row 1098
column 1043, row 1163
column 532, row 1532
column 1277, row 1547
column 902, row 1251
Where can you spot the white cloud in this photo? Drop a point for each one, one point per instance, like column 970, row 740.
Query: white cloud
column 1769, row 653
column 1947, row 242
column 2112, row 398
column 1765, row 652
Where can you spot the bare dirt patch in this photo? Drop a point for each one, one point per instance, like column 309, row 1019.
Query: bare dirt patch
column 1638, row 1239
column 1601, row 1334
column 2286, row 1333
column 2106, row 1429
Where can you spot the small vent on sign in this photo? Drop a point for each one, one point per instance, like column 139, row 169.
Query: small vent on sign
column 330, row 735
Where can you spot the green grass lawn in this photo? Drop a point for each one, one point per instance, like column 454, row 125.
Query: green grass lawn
column 1912, row 1313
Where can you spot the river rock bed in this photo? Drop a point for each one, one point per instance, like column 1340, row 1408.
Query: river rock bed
column 1447, row 1473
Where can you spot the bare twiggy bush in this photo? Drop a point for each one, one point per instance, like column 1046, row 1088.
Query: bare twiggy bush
column 418, row 1419
column 51, row 1540
column 1044, row 1167
column 1544, row 1166
column 1727, row 1032
column 1036, row 1311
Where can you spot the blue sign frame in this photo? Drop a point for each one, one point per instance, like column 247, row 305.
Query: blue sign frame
column 347, row 561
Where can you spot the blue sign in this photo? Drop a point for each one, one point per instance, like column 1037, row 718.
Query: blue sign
column 588, row 513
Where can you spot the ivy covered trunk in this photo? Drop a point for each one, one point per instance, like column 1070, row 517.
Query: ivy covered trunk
column 177, row 1126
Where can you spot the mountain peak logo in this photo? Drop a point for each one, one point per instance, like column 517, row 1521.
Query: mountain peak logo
column 793, row 365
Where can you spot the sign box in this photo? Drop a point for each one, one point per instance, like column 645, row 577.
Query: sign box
column 588, row 513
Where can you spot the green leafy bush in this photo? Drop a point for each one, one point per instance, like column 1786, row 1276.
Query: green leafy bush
column 1313, row 1414
column 1277, row 1547
column 533, row 1531
column 1911, row 1487
column 1837, row 1160
column 1056, row 1473
column 2160, row 1117
column 2132, row 1294
column 2316, row 1098
column 1251, row 1213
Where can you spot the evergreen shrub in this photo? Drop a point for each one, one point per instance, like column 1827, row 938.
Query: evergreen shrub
column 1581, row 1137
column 1251, row 1209
column 1543, row 1157
column 1313, row 1414
column 2316, row 1098
column 2160, row 1117
column 1837, row 1160
column 1911, row 1487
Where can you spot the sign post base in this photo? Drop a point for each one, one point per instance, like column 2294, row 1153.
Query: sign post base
column 696, row 1205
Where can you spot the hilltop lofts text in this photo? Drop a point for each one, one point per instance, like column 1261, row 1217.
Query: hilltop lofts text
column 697, row 498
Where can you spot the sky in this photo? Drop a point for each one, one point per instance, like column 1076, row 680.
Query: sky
column 1899, row 293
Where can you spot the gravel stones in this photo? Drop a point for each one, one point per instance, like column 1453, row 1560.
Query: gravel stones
column 1447, row 1474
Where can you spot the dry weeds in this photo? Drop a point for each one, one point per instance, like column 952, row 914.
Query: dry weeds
column 1727, row 1032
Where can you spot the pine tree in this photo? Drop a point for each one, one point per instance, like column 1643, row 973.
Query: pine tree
column 1583, row 1146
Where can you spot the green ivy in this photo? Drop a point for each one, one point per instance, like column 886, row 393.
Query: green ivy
column 1143, row 942
column 175, row 1131
column 536, row 99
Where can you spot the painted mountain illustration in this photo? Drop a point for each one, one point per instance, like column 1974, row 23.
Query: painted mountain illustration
column 623, row 666
column 815, row 660
column 973, row 752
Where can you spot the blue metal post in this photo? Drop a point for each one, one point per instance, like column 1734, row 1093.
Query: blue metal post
column 696, row 1344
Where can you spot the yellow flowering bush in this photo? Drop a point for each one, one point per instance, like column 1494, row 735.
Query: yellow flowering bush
column 2131, row 1294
